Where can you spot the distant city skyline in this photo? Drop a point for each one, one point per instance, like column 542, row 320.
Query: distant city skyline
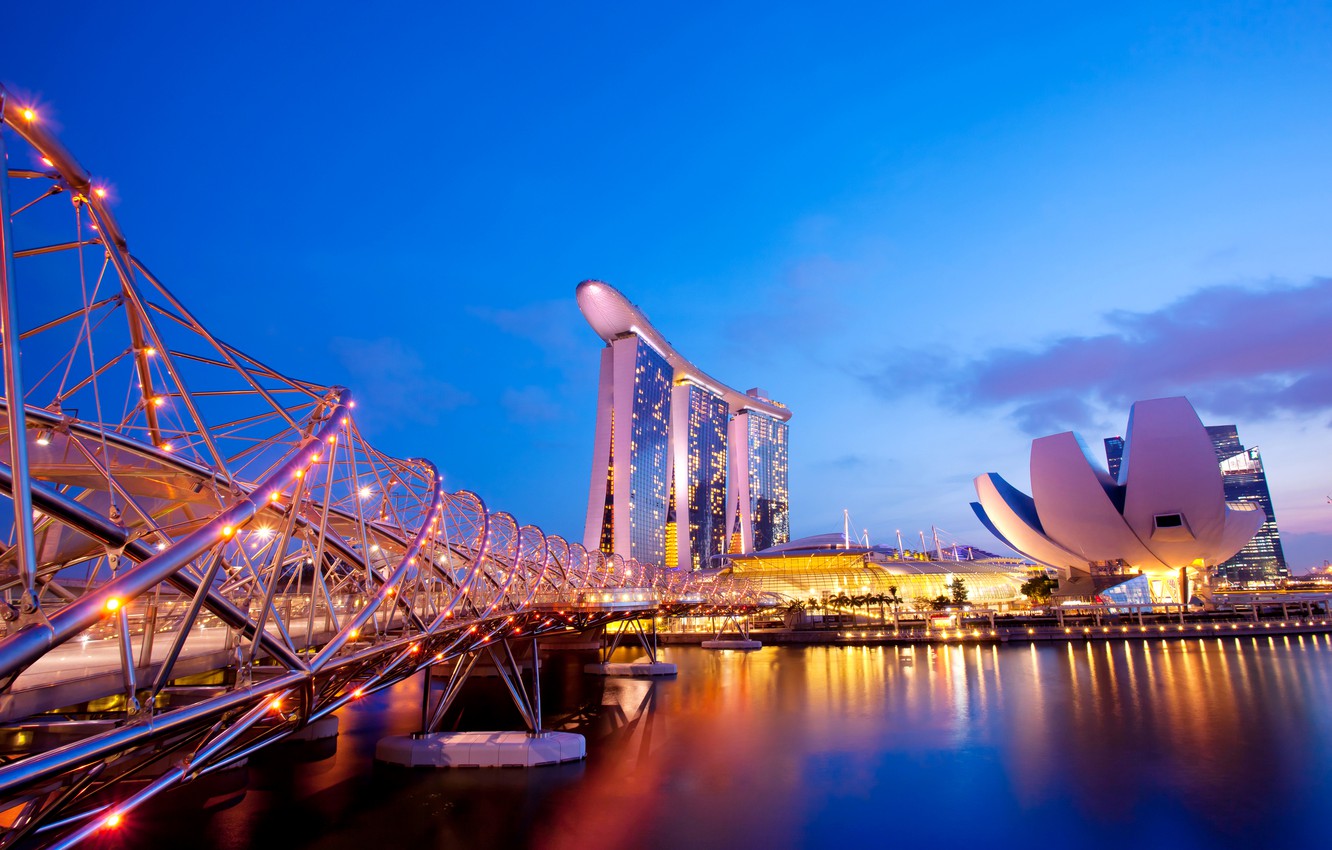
column 941, row 234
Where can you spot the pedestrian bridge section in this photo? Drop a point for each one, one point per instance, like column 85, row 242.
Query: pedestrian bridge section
column 207, row 554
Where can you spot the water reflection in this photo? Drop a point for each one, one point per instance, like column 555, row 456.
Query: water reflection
column 1217, row 743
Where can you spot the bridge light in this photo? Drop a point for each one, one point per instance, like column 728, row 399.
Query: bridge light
column 166, row 447
column 354, row 634
column 112, row 820
column 273, row 497
column 276, row 704
column 300, row 473
column 358, row 693
column 29, row 115
column 158, row 401
column 113, row 604
column 47, row 163
column 99, row 192
column 150, row 352
column 227, row 531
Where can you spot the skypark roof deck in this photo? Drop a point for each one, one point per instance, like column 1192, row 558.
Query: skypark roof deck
column 612, row 315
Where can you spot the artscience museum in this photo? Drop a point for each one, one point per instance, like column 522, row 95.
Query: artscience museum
column 1162, row 524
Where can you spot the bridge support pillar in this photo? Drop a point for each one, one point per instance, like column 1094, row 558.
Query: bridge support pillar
column 530, row 748
column 742, row 641
column 649, row 664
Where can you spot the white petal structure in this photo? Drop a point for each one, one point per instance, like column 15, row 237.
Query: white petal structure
column 1166, row 512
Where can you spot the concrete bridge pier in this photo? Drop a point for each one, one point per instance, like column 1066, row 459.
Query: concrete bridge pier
column 530, row 748
column 649, row 664
column 742, row 642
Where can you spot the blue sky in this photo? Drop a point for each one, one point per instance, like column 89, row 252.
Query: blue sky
column 934, row 232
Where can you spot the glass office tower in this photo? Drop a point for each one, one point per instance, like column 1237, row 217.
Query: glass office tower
column 1262, row 558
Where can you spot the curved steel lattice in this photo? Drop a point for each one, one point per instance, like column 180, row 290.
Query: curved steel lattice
column 207, row 555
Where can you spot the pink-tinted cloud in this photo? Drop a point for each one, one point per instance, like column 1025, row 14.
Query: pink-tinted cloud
column 1246, row 351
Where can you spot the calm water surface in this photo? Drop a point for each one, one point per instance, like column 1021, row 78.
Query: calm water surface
column 1214, row 743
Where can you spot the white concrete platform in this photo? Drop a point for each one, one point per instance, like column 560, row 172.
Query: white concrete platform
column 745, row 645
column 639, row 667
column 481, row 749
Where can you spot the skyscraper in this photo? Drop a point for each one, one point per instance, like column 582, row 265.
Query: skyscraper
column 680, row 461
column 1262, row 558
column 1114, row 455
column 628, row 509
column 761, row 510
column 699, row 450
column 1244, row 480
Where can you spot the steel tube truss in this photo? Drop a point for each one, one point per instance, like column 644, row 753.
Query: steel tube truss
column 205, row 555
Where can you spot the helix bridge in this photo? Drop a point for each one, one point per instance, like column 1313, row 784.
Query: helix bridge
column 205, row 555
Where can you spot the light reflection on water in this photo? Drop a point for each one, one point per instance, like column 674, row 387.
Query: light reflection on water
column 1205, row 743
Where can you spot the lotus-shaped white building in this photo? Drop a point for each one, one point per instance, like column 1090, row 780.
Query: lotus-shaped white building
column 1166, row 514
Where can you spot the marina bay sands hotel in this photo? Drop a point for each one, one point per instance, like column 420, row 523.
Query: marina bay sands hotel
column 683, row 466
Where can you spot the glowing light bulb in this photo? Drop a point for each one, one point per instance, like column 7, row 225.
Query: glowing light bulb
column 47, row 163
column 150, row 351
column 227, row 531
column 99, row 192
column 113, row 604
column 113, row 820
column 29, row 115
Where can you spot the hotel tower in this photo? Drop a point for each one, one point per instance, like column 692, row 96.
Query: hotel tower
column 683, row 466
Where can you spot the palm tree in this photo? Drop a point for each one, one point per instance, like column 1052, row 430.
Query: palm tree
column 860, row 601
column 878, row 599
column 841, row 600
column 896, row 601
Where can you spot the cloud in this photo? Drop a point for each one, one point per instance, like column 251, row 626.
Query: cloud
column 393, row 384
column 1248, row 351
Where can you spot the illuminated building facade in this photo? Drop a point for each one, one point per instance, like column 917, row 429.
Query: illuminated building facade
column 628, row 509
column 761, row 515
column 699, row 422
column 682, row 464
column 1242, row 475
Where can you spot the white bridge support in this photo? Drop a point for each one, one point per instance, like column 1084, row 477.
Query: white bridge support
column 732, row 617
column 532, row 747
column 649, row 664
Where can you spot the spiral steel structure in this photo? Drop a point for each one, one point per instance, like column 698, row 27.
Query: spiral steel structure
column 207, row 555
